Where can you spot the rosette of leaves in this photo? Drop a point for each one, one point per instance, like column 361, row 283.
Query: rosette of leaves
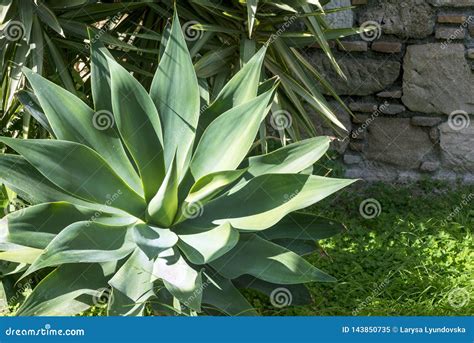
column 148, row 201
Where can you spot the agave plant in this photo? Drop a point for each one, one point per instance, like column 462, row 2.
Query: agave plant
column 153, row 203
column 43, row 36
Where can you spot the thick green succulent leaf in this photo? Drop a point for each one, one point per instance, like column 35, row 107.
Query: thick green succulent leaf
column 139, row 125
column 221, row 294
column 100, row 75
column 28, row 182
column 228, row 139
column 19, row 254
column 85, row 242
column 179, row 278
column 153, row 240
column 121, row 305
column 299, row 247
column 72, row 120
column 296, row 294
column 267, row 261
column 266, row 199
column 83, row 172
column 240, row 89
column 57, row 293
column 36, row 226
column 210, row 185
column 303, row 226
column 202, row 246
column 292, row 158
column 133, row 279
column 175, row 92
column 163, row 207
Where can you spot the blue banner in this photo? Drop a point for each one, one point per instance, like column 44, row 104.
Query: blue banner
column 244, row 329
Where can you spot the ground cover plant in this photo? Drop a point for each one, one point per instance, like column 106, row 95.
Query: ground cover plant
column 413, row 258
column 162, row 208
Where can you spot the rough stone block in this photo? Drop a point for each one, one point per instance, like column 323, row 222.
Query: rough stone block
column 437, row 79
column 452, row 3
column 341, row 19
column 392, row 109
column 387, row 47
column 359, row 133
column 435, row 135
column 450, row 33
column 414, row 19
column 452, row 18
column 365, row 107
column 360, row 118
column 425, row 121
column 365, row 76
column 429, row 167
column 394, row 94
column 356, row 46
column 395, row 141
column 457, row 147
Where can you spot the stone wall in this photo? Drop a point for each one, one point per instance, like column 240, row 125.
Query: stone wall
column 410, row 85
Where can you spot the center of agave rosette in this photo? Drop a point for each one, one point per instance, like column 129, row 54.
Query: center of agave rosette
column 152, row 240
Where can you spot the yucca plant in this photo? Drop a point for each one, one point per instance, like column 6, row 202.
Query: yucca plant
column 144, row 198
column 228, row 33
column 39, row 34
column 50, row 37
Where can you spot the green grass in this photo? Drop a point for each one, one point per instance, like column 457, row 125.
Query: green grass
column 403, row 262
